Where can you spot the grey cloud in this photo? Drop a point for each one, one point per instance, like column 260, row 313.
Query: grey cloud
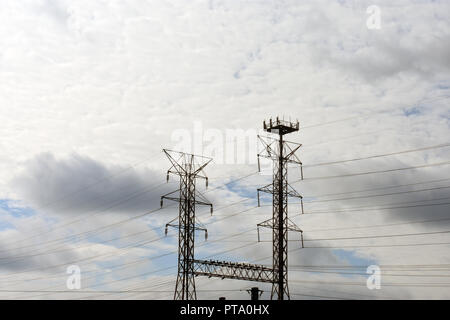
column 412, row 40
column 390, row 58
column 78, row 184
column 420, row 203
column 55, row 9
column 14, row 260
column 134, row 69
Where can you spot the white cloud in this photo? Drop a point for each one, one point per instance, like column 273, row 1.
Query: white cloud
column 108, row 82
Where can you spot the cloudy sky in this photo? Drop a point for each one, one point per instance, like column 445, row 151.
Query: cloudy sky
column 91, row 91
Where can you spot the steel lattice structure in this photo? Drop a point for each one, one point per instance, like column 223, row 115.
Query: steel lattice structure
column 188, row 167
column 231, row 270
column 281, row 153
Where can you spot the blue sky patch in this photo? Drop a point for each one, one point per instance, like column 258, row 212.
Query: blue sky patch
column 8, row 206
column 245, row 192
column 414, row 111
column 352, row 258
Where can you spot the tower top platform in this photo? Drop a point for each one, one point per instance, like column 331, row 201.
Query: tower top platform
column 281, row 127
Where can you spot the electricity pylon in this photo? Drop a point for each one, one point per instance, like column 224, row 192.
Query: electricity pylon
column 188, row 167
column 282, row 153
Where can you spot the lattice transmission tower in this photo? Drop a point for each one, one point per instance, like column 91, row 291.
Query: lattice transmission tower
column 282, row 153
column 189, row 168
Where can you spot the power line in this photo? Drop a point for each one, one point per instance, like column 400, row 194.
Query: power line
column 96, row 230
column 376, row 236
column 422, row 201
column 231, row 182
column 379, row 208
column 375, row 172
column 370, row 246
column 359, row 295
column 107, row 226
column 94, row 213
column 107, row 177
column 329, row 122
column 121, row 266
column 378, row 188
column 76, row 261
column 317, row 296
column 103, row 291
column 253, row 174
column 151, row 272
column 379, row 246
column 369, row 114
column 233, row 249
column 378, row 155
column 432, row 285
column 384, row 274
column 365, row 208
column 80, row 260
column 133, row 195
column 379, row 225
column 378, row 195
column 222, row 219
column 425, row 148
column 430, row 267
column 101, row 229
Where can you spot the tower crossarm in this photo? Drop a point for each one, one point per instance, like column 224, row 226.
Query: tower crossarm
column 176, row 158
column 169, row 196
column 291, row 192
column 269, row 151
column 188, row 168
column 233, row 270
column 291, row 227
column 197, row 227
